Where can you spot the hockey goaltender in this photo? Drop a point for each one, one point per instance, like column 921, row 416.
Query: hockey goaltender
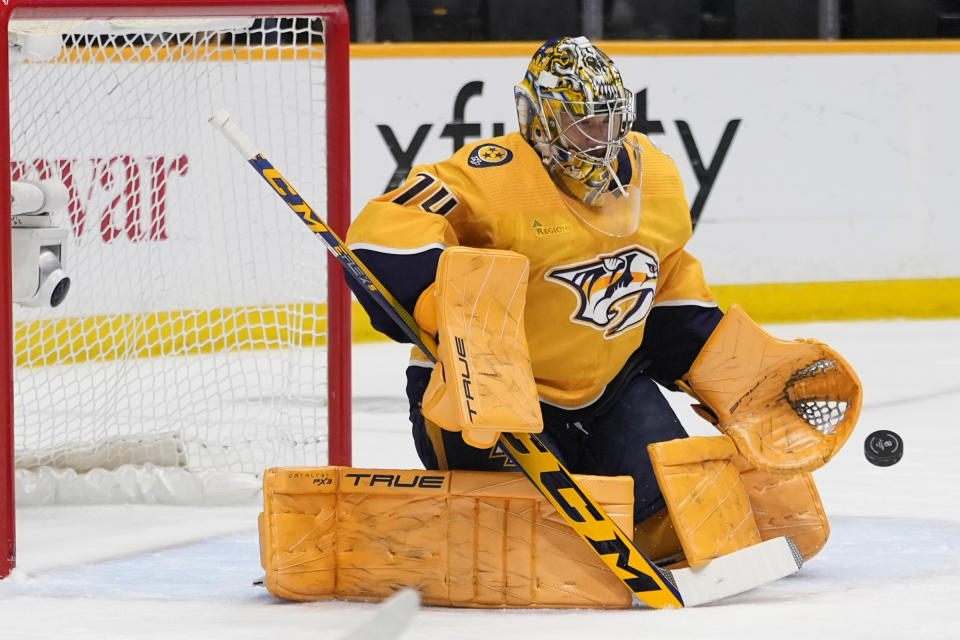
column 549, row 265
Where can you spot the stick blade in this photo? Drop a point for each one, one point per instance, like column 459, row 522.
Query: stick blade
column 738, row 571
column 391, row 618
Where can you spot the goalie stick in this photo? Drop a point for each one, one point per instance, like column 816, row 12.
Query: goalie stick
column 658, row 588
column 390, row 619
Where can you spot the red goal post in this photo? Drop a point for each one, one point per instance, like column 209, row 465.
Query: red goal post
column 142, row 187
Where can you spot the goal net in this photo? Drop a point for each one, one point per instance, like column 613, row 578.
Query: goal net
column 202, row 339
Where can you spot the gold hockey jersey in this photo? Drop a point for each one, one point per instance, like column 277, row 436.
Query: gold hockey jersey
column 595, row 273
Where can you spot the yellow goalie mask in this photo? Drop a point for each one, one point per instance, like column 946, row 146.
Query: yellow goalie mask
column 575, row 112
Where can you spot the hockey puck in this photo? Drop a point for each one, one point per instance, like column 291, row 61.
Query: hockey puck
column 883, row 448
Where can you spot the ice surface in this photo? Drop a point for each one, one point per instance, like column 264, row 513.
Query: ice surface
column 890, row 570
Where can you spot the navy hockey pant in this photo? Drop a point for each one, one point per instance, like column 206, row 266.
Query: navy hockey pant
column 608, row 438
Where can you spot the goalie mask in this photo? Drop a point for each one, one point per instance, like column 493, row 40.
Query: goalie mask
column 575, row 112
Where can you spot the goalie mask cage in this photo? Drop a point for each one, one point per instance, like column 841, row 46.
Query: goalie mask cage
column 201, row 340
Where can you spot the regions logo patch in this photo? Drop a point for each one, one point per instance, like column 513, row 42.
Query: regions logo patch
column 550, row 230
column 489, row 155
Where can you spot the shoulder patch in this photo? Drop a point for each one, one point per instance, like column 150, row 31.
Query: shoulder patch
column 489, row 155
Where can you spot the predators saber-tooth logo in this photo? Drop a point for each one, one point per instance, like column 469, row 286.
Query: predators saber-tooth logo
column 615, row 291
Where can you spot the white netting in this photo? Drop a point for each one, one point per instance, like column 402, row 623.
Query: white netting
column 193, row 333
column 822, row 413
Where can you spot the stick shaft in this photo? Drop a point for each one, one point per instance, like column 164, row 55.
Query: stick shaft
column 351, row 265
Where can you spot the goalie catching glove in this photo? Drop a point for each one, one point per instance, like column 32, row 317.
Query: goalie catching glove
column 788, row 406
column 483, row 382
